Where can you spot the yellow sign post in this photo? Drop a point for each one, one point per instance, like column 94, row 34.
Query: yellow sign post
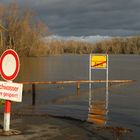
column 99, row 61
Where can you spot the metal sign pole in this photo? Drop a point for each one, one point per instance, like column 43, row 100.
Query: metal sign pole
column 7, row 110
column 6, row 126
column 107, row 98
column 90, row 71
column 89, row 80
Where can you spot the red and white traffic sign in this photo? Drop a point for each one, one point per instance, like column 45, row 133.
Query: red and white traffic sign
column 9, row 65
column 9, row 68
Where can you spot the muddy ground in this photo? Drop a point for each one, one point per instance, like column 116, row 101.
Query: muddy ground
column 53, row 128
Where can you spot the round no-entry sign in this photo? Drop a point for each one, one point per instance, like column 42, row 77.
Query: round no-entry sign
column 9, row 65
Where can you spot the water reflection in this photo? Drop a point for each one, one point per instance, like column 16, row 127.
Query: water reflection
column 98, row 106
column 97, row 112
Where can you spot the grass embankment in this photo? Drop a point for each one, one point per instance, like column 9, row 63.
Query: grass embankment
column 22, row 33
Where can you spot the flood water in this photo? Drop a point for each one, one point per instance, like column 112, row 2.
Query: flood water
column 62, row 100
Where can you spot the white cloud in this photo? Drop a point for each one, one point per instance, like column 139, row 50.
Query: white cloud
column 89, row 39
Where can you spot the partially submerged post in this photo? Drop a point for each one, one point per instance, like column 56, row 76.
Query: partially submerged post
column 33, row 95
column 78, row 89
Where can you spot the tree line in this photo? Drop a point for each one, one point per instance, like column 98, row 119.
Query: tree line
column 118, row 45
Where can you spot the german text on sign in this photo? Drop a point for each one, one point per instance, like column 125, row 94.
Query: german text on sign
column 11, row 91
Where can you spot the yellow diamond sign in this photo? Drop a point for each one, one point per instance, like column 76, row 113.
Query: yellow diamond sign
column 99, row 61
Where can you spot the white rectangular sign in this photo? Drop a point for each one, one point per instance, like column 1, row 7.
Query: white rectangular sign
column 11, row 91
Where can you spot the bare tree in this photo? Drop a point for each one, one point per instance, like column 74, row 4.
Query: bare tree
column 23, row 31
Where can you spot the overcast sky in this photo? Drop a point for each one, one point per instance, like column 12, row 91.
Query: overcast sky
column 87, row 17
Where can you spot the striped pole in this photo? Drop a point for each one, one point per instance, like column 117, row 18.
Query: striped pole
column 7, row 109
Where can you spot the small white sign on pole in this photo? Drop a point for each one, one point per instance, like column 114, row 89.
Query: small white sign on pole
column 11, row 91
